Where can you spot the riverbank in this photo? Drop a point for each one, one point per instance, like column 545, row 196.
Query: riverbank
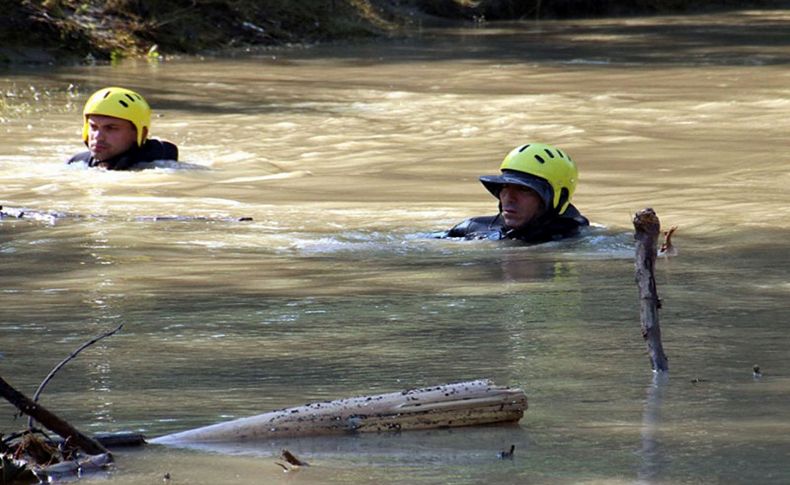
column 69, row 31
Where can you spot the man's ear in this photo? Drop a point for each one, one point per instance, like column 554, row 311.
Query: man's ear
column 145, row 133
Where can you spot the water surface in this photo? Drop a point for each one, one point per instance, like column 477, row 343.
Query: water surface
column 347, row 158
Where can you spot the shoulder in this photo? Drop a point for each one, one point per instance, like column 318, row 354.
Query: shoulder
column 476, row 227
column 82, row 157
column 567, row 225
column 156, row 149
column 573, row 216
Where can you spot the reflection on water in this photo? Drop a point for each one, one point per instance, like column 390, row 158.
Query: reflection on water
column 297, row 263
column 652, row 454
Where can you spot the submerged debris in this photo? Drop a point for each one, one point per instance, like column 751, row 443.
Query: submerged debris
column 31, row 456
column 14, row 470
column 506, row 455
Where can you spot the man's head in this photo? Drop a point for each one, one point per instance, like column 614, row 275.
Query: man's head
column 536, row 179
column 115, row 120
column 519, row 205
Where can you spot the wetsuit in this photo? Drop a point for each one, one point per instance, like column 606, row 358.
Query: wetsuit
column 153, row 149
column 542, row 230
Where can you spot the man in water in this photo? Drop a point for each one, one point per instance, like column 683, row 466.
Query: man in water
column 116, row 124
column 534, row 192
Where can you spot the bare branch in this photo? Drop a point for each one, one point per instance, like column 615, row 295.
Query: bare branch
column 50, row 420
column 66, row 361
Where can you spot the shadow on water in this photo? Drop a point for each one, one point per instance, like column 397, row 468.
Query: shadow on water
column 722, row 39
column 734, row 39
column 723, row 36
column 420, row 447
column 651, row 452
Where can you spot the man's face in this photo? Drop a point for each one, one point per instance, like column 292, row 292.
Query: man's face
column 109, row 136
column 520, row 205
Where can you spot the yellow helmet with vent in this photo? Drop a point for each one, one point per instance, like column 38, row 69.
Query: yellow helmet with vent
column 119, row 103
column 549, row 171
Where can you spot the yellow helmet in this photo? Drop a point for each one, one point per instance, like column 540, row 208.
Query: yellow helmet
column 119, row 103
column 549, row 171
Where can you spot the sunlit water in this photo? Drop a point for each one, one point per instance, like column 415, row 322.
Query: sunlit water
column 347, row 159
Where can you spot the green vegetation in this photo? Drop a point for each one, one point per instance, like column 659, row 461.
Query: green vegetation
column 114, row 28
column 111, row 29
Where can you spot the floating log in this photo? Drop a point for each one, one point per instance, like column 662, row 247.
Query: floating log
column 647, row 226
column 449, row 405
column 123, row 439
column 23, row 213
column 51, row 216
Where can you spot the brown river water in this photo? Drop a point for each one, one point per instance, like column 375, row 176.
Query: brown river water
column 347, row 158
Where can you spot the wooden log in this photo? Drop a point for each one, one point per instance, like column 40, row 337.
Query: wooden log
column 118, row 439
column 647, row 228
column 450, row 405
column 126, row 439
column 50, row 420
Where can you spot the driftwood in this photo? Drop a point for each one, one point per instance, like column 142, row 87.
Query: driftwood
column 31, row 453
column 52, row 422
column 450, row 405
column 647, row 228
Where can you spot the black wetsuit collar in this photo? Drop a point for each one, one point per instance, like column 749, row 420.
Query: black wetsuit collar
column 123, row 161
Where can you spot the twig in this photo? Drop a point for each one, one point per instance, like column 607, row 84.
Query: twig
column 64, row 362
column 50, row 420
column 292, row 459
column 667, row 249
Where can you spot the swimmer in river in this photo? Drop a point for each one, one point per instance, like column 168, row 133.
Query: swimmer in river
column 534, row 191
column 116, row 125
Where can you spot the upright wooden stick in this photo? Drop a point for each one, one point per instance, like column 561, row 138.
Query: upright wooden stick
column 647, row 228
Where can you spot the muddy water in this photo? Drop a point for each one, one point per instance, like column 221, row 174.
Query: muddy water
column 347, row 159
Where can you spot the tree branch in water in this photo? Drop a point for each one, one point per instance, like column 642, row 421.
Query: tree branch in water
column 647, row 227
column 50, row 420
column 66, row 361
